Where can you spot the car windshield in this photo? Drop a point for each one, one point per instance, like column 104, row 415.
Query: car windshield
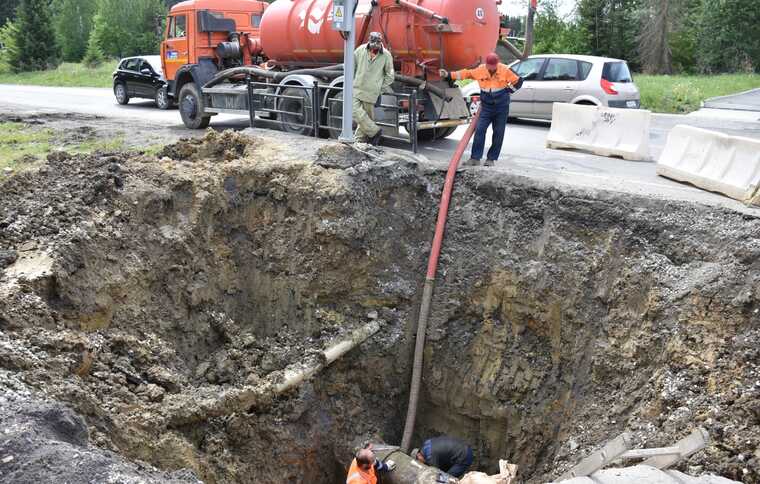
column 616, row 72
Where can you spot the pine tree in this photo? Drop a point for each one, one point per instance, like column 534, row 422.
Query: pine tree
column 94, row 55
column 728, row 39
column 610, row 28
column 35, row 37
column 9, row 53
column 654, row 40
column 8, row 10
column 73, row 22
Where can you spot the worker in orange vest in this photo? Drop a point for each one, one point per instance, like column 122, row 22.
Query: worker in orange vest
column 497, row 82
column 365, row 467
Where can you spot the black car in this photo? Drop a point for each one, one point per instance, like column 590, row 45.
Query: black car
column 141, row 77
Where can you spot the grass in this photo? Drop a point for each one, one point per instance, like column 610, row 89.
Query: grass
column 66, row 75
column 23, row 146
column 684, row 94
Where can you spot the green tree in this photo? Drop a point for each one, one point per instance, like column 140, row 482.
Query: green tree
column 728, row 37
column 35, row 37
column 9, row 53
column 8, row 10
column 654, row 40
column 683, row 39
column 73, row 22
column 610, row 28
column 128, row 27
column 555, row 35
column 94, row 55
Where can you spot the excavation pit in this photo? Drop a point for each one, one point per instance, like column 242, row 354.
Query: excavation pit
column 140, row 290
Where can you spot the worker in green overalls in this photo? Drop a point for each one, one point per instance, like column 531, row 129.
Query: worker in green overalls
column 374, row 75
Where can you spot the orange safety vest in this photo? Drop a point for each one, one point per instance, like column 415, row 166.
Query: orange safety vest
column 503, row 77
column 358, row 476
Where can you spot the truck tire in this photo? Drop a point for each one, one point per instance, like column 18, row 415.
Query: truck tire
column 120, row 91
column 299, row 112
column 191, row 107
column 335, row 113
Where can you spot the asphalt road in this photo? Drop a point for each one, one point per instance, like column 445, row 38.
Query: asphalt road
column 743, row 101
column 523, row 153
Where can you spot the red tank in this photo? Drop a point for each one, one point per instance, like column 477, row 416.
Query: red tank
column 453, row 34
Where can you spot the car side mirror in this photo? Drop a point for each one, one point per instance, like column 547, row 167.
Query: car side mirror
column 146, row 71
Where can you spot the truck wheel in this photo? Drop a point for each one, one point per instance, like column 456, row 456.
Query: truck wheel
column 191, row 107
column 335, row 113
column 163, row 101
column 297, row 116
column 120, row 91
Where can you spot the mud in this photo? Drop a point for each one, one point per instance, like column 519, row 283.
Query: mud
column 136, row 287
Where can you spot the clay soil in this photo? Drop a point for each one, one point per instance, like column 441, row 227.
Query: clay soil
column 137, row 288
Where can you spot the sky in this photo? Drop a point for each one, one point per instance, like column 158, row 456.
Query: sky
column 517, row 8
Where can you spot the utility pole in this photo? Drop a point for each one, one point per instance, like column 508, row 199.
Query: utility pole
column 344, row 22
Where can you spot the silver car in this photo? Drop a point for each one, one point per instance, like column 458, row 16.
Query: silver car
column 576, row 79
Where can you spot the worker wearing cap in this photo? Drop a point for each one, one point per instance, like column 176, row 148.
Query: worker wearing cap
column 497, row 82
column 365, row 467
column 374, row 75
column 448, row 454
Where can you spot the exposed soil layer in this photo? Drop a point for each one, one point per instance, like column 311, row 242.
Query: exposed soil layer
column 135, row 289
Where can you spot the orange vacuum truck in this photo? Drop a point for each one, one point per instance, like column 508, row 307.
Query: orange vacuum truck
column 282, row 61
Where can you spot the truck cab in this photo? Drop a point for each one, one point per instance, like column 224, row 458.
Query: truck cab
column 203, row 37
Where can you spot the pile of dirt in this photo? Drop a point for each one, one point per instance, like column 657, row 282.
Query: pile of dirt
column 135, row 288
column 47, row 442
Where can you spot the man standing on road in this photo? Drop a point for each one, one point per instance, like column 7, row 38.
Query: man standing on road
column 497, row 82
column 366, row 466
column 448, row 454
column 374, row 75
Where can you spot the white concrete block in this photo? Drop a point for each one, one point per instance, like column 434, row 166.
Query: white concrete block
column 645, row 475
column 601, row 130
column 713, row 161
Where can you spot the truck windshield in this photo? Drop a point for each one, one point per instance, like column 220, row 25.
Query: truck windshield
column 616, row 72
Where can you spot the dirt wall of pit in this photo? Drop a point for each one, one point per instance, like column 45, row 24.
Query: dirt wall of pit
column 135, row 287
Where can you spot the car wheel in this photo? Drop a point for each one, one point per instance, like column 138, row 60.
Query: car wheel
column 163, row 101
column 120, row 91
column 474, row 106
column 191, row 107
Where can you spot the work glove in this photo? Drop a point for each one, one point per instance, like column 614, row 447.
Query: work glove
column 444, row 74
column 391, row 465
column 517, row 85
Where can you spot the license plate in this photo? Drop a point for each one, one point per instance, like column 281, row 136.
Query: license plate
column 631, row 104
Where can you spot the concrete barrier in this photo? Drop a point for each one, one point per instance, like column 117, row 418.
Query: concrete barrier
column 600, row 130
column 713, row 161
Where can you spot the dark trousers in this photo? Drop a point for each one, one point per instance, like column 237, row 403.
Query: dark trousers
column 494, row 110
column 459, row 469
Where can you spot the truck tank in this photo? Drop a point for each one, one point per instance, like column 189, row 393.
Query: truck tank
column 423, row 35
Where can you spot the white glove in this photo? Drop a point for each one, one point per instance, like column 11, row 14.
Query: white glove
column 391, row 465
column 443, row 73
